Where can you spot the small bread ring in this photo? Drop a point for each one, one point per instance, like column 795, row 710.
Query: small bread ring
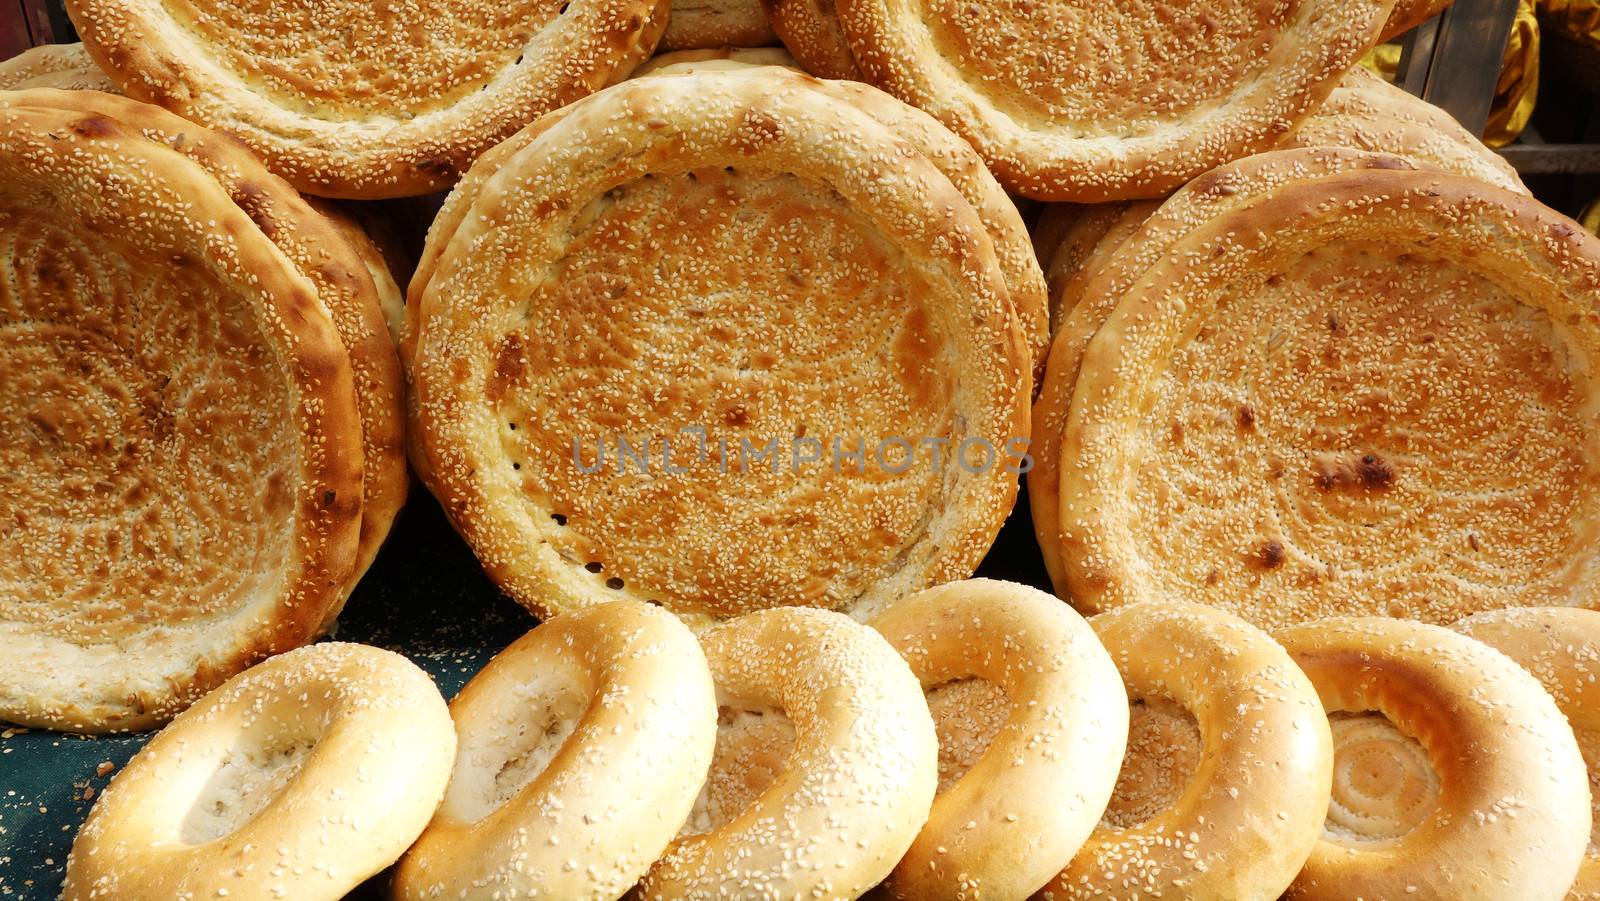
column 583, row 746
column 298, row 778
column 839, row 809
column 1236, row 824
column 1560, row 646
column 1004, row 826
column 1462, row 781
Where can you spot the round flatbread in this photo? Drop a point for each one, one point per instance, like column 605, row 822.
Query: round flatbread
column 1368, row 113
column 64, row 66
column 732, row 273
column 1090, row 101
column 180, row 446
column 318, row 240
column 1365, row 393
column 705, row 24
column 350, row 98
column 1408, row 14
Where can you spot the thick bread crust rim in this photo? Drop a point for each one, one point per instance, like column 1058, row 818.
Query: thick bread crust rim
column 321, row 252
column 1051, row 160
column 328, row 498
column 707, row 120
column 155, row 58
column 1535, row 254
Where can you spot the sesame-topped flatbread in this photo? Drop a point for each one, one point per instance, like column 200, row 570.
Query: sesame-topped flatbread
column 180, row 444
column 350, row 98
column 1088, row 101
column 718, row 260
column 1366, row 393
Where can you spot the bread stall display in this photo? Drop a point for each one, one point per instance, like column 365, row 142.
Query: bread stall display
column 986, row 450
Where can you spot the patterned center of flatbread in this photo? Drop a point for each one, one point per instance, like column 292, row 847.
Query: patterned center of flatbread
column 711, row 318
column 1107, row 68
column 384, row 57
column 144, row 461
column 1365, row 432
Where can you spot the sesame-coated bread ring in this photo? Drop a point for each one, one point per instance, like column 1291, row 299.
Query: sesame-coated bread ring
column 1090, row 101
column 65, row 66
column 1560, row 647
column 719, row 256
column 1366, row 393
column 299, row 778
column 811, row 31
column 1050, row 227
column 1455, row 775
column 322, row 249
column 1012, row 810
column 1225, row 783
column 583, row 747
column 715, row 58
column 705, row 24
column 179, row 431
column 1082, row 300
column 831, row 796
column 350, row 98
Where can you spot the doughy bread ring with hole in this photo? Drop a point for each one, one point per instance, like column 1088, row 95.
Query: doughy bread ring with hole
column 299, row 778
column 879, row 312
column 829, row 818
column 181, row 431
column 1003, row 826
column 1457, row 777
column 1225, row 783
column 583, row 747
column 811, row 31
column 713, row 58
column 1087, row 298
column 362, row 100
column 64, row 66
column 320, row 247
column 1408, row 334
column 706, row 24
column 1050, row 228
column 1088, row 101
column 1560, row 647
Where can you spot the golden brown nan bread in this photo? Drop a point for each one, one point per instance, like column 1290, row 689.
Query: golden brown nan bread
column 323, row 247
column 702, row 24
column 1085, row 298
column 1408, row 14
column 1090, row 101
column 181, row 459
column 715, row 265
column 1454, row 773
column 366, row 100
column 1367, row 113
column 811, row 31
column 1369, row 392
column 65, row 66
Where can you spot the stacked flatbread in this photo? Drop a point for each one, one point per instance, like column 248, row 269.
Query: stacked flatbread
column 202, row 412
column 1325, row 380
column 702, row 263
column 1087, row 101
column 365, row 100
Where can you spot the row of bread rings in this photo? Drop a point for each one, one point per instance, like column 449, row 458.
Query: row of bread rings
column 584, row 746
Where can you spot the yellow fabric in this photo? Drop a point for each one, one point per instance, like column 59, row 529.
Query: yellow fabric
column 1590, row 218
column 1518, row 88
column 1575, row 20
